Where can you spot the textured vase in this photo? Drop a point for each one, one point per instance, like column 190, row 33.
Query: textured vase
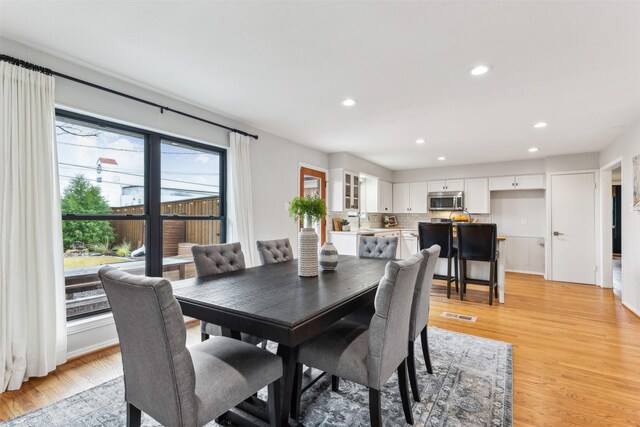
column 307, row 253
column 328, row 257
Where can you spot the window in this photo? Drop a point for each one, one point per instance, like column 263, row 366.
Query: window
column 133, row 199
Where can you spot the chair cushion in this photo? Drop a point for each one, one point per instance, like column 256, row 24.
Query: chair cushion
column 340, row 350
column 227, row 372
column 378, row 247
column 274, row 251
column 215, row 330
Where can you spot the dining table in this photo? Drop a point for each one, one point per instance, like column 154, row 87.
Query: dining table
column 274, row 303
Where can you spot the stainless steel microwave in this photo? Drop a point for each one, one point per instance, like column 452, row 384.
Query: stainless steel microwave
column 446, row 201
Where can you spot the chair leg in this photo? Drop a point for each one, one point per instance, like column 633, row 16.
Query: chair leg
column 404, row 392
column 203, row 336
column 264, row 345
column 492, row 276
column 375, row 408
column 455, row 264
column 411, row 365
column 275, row 420
column 335, row 383
column 297, row 393
column 496, row 279
column 134, row 416
column 425, row 350
column 463, row 279
column 448, row 277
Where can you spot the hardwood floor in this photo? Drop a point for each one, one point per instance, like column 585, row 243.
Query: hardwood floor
column 576, row 354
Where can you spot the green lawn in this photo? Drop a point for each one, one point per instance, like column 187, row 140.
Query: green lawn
column 90, row 261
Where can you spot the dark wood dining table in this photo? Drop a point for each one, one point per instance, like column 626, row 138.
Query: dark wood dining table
column 274, row 303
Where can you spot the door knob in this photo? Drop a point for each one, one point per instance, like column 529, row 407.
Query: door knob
column 557, row 233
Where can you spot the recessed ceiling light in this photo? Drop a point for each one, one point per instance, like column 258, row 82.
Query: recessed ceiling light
column 533, row 149
column 349, row 102
column 420, row 141
column 479, row 70
column 540, row 125
column 441, row 158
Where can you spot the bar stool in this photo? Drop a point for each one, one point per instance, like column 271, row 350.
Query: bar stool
column 478, row 242
column 441, row 234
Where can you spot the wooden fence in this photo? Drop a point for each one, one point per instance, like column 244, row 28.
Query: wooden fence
column 202, row 232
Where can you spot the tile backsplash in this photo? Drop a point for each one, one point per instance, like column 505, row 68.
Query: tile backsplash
column 408, row 220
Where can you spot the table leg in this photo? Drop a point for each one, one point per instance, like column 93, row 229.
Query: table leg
column 181, row 270
column 226, row 332
column 289, row 357
column 501, row 271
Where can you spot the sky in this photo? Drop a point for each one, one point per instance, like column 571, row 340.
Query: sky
column 80, row 147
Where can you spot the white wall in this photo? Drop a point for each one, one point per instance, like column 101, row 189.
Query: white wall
column 627, row 147
column 573, row 162
column 275, row 160
column 518, row 167
column 509, row 209
column 356, row 164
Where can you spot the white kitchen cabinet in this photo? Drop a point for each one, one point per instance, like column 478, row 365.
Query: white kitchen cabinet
column 369, row 193
column 346, row 243
column 446, row 185
column 530, row 182
column 410, row 197
column 344, row 190
column 401, row 198
column 418, row 197
column 408, row 245
column 477, row 199
column 519, row 182
column 385, row 196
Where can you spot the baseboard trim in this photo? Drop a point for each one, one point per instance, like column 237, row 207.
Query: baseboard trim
column 91, row 349
column 534, row 273
column 632, row 310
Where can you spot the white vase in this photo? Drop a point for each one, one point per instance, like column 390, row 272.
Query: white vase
column 328, row 257
column 307, row 253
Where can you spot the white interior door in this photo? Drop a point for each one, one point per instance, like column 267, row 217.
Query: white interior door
column 573, row 228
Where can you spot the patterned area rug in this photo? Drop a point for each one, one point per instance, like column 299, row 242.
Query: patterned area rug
column 471, row 386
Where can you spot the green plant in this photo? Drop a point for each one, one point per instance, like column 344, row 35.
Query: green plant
column 81, row 197
column 309, row 209
column 102, row 247
column 123, row 249
column 344, row 222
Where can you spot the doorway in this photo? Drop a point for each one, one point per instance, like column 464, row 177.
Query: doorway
column 616, row 229
column 573, row 232
column 314, row 183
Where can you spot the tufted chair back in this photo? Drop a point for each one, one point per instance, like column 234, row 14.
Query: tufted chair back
column 159, row 377
column 378, row 247
column 274, row 251
column 422, row 293
column 216, row 259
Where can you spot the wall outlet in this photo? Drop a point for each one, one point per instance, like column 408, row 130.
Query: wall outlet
column 523, row 221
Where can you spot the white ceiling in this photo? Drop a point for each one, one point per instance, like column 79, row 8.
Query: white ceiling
column 285, row 66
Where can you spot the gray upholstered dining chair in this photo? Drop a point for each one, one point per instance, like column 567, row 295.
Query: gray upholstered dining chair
column 417, row 321
column 369, row 354
column 217, row 259
column 274, row 251
column 378, row 247
column 176, row 385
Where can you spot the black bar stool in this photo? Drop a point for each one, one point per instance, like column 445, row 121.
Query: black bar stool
column 478, row 242
column 441, row 233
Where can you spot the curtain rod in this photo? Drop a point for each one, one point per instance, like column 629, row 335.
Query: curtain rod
column 162, row 108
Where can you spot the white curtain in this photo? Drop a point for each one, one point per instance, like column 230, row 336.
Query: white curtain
column 239, row 197
column 33, row 336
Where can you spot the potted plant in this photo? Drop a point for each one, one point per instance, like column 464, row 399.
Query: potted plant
column 307, row 210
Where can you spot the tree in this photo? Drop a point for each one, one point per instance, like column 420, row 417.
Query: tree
column 81, row 197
